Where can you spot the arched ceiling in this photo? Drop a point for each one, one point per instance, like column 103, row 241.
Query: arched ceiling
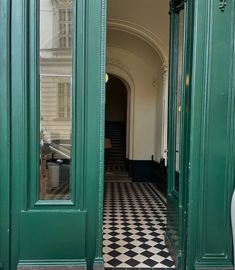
column 149, row 16
column 133, row 44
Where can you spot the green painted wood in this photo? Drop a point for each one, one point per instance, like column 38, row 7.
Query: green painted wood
column 185, row 136
column 42, row 226
column 172, row 196
column 172, row 230
column 5, row 134
column 211, row 174
column 61, row 233
column 177, row 201
column 95, row 101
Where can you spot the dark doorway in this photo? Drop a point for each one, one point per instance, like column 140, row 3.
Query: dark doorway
column 115, row 126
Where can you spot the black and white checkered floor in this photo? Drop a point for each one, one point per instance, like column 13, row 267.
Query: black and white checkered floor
column 134, row 227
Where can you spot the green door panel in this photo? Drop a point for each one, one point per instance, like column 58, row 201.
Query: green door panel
column 211, row 180
column 54, row 238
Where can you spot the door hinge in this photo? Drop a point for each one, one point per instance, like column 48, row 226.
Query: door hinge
column 222, row 5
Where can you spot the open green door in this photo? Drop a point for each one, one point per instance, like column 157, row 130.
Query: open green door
column 178, row 128
column 58, row 73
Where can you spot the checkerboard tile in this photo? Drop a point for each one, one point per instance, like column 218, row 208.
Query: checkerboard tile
column 134, row 227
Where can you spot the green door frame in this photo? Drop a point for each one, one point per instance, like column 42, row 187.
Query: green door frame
column 5, row 137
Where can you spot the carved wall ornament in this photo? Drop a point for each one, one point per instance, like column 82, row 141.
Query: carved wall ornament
column 222, row 5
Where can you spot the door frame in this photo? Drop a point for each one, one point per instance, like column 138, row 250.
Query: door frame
column 5, row 134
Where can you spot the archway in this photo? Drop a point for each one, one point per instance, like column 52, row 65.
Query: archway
column 116, row 126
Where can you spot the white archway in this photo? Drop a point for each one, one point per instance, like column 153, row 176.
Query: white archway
column 116, row 68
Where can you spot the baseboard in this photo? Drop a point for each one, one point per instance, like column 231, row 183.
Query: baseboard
column 215, row 268
column 98, row 264
column 216, row 265
column 149, row 171
column 140, row 170
column 52, row 265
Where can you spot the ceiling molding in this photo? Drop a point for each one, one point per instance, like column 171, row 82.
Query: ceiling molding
column 140, row 32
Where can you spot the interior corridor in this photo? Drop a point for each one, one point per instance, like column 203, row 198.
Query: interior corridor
column 134, row 226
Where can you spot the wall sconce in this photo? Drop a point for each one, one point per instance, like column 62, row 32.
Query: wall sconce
column 106, row 77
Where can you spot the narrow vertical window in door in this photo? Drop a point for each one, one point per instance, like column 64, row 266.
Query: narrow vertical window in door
column 178, row 97
column 56, row 22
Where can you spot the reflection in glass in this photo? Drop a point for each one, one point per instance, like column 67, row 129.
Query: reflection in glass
column 55, row 99
column 178, row 97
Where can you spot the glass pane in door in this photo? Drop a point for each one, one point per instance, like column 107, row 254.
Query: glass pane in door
column 56, row 22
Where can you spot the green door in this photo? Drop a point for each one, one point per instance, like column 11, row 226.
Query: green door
column 178, row 128
column 56, row 131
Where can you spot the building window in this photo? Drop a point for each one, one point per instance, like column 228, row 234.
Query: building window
column 64, row 100
column 65, row 28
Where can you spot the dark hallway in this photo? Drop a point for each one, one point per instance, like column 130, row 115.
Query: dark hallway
column 115, row 126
